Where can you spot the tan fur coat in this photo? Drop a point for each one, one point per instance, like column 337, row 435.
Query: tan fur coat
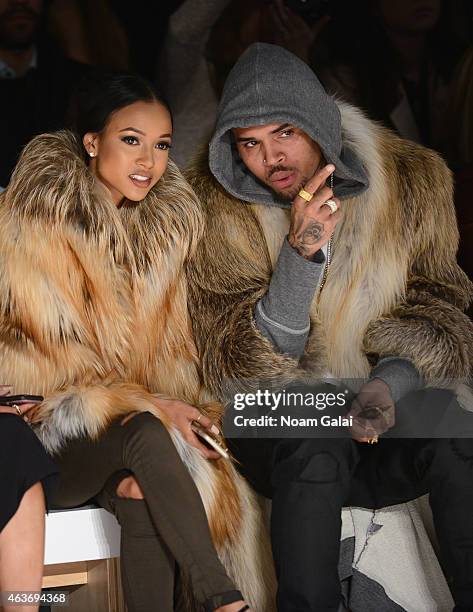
column 393, row 288
column 93, row 316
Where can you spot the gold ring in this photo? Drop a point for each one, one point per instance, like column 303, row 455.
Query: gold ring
column 305, row 195
column 17, row 408
column 332, row 205
column 198, row 418
column 373, row 440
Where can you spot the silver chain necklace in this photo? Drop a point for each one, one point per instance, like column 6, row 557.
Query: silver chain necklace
column 329, row 252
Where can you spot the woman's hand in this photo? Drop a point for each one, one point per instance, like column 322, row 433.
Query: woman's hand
column 25, row 408
column 181, row 415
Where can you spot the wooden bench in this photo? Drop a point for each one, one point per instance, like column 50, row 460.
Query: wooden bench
column 82, row 557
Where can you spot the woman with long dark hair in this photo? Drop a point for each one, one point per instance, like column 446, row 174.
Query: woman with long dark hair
column 96, row 227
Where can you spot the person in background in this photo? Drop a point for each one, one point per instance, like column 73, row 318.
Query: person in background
column 89, row 32
column 36, row 79
column 399, row 66
column 27, row 479
column 185, row 76
column 203, row 41
column 460, row 156
column 145, row 27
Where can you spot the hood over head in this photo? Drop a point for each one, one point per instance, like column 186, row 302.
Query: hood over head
column 270, row 85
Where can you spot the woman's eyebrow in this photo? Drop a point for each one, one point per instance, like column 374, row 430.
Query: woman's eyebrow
column 132, row 129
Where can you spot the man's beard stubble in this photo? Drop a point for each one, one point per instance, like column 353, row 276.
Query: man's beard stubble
column 288, row 194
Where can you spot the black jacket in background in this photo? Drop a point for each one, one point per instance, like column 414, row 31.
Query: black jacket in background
column 35, row 103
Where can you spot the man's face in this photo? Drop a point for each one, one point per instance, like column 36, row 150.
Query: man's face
column 19, row 22
column 283, row 157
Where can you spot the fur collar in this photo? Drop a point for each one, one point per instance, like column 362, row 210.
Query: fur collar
column 400, row 232
column 110, row 281
column 52, row 186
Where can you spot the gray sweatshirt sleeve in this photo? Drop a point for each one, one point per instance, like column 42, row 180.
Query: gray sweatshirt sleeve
column 282, row 314
column 185, row 76
column 399, row 374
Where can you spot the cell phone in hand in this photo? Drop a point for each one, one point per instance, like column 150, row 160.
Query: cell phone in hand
column 11, row 400
column 209, row 439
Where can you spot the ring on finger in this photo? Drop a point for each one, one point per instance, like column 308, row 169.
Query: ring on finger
column 18, row 409
column 198, row 418
column 306, row 195
column 332, row 205
column 380, row 413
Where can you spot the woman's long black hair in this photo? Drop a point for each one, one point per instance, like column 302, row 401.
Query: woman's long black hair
column 101, row 93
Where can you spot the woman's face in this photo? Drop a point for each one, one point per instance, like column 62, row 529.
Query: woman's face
column 130, row 154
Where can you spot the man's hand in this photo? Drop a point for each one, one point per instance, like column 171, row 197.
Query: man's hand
column 373, row 411
column 312, row 223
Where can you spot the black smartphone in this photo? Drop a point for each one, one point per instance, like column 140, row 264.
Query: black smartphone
column 310, row 10
column 11, row 400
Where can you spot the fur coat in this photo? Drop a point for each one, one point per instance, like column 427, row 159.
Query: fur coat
column 93, row 316
column 393, row 286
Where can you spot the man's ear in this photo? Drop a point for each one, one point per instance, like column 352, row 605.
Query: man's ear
column 90, row 142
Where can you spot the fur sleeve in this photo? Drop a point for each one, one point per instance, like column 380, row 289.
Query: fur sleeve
column 64, row 294
column 227, row 277
column 429, row 326
column 80, row 411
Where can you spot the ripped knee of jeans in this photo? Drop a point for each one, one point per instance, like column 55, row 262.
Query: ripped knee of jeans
column 129, row 488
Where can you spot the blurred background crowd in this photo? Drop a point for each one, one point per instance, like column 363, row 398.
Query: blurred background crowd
column 406, row 63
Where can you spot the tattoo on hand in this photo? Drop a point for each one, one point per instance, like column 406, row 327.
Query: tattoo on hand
column 303, row 241
column 313, row 233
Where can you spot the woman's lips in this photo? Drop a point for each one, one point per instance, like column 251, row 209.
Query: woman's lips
column 140, row 181
column 282, row 180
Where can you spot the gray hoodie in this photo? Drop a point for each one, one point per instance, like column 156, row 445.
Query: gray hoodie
column 270, row 85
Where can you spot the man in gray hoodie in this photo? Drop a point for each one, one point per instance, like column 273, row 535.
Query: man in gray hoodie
column 316, row 197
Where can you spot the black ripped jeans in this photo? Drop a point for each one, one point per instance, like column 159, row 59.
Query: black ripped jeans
column 310, row 480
